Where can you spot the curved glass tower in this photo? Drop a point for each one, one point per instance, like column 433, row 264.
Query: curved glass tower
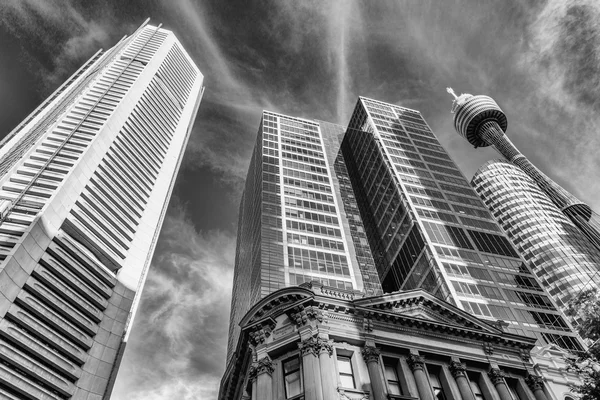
column 482, row 123
column 560, row 255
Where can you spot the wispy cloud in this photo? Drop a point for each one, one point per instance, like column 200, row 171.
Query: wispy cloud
column 62, row 35
column 176, row 349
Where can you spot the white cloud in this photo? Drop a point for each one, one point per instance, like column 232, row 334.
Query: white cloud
column 177, row 347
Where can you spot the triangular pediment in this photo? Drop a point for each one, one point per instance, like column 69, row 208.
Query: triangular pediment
column 421, row 305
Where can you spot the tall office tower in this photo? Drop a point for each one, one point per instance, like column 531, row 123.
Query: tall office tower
column 481, row 121
column 429, row 229
column 560, row 255
column 298, row 217
column 84, row 186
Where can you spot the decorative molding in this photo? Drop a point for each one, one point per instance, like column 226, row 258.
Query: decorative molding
column 488, row 348
column 264, row 365
column 310, row 346
column 344, row 396
column 525, row 355
column 497, row 376
column 416, row 362
column 535, row 382
column 371, row 354
column 458, row 369
column 260, row 333
column 368, row 324
column 300, row 315
column 325, row 346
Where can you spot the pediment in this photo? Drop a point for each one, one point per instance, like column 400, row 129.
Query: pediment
column 420, row 305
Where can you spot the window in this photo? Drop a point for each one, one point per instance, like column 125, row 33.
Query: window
column 434, row 380
column 512, row 388
column 475, row 388
column 391, row 376
column 346, row 374
column 292, row 377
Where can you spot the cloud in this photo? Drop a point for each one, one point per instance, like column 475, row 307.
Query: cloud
column 177, row 347
column 59, row 36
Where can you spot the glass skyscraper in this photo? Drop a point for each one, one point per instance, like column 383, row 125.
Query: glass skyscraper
column 428, row 229
column 85, row 182
column 560, row 255
column 299, row 220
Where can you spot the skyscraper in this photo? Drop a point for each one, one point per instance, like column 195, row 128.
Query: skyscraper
column 298, row 217
column 560, row 255
column 429, row 229
column 481, row 121
column 85, row 182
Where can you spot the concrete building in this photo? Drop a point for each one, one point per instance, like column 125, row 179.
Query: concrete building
column 560, row 255
column 481, row 122
column 84, row 185
column 298, row 217
column 316, row 342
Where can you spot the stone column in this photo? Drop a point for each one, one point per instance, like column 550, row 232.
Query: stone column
column 264, row 379
column 459, row 372
column 313, row 386
column 371, row 356
column 536, row 384
column 497, row 377
column 417, row 366
column 327, row 368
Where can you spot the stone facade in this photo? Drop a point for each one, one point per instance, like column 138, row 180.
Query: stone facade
column 314, row 342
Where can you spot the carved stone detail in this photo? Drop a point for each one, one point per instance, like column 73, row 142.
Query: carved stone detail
column 525, row 355
column 264, row 365
column 310, row 346
column 368, row 324
column 371, row 354
column 300, row 315
column 535, row 382
column 325, row 346
column 344, row 396
column 260, row 333
column 416, row 362
column 488, row 348
column 496, row 376
column 458, row 369
column 252, row 373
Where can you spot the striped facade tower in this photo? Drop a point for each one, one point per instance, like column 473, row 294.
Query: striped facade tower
column 84, row 185
column 482, row 123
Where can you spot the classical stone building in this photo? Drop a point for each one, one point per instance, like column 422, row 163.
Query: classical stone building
column 314, row 342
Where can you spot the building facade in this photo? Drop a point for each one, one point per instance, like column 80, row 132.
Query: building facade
column 429, row 229
column 559, row 253
column 315, row 342
column 84, row 185
column 482, row 123
column 298, row 217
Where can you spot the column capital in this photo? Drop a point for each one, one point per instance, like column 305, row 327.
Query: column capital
column 310, row 346
column 325, row 346
column 496, row 376
column 264, row 365
column 371, row 354
column 535, row 382
column 458, row 369
column 416, row 362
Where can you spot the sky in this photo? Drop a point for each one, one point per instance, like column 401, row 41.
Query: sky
column 540, row 60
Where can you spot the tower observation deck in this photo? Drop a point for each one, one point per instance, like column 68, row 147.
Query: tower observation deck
column 483, row 123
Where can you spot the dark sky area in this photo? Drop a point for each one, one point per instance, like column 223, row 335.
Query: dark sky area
column 540, row 60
